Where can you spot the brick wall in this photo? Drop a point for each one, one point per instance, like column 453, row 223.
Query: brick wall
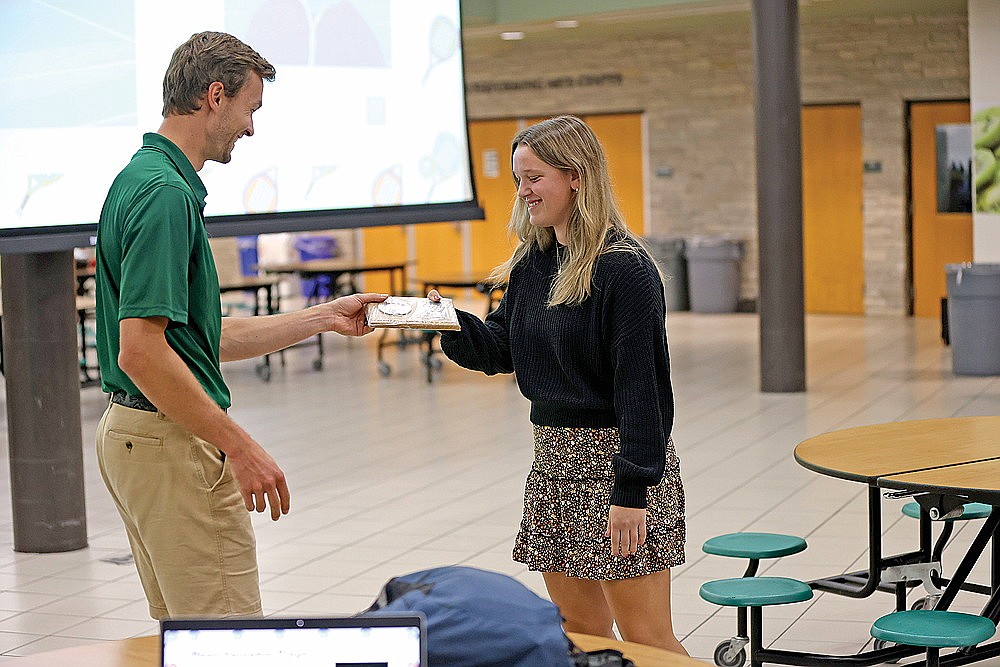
column 695, row 86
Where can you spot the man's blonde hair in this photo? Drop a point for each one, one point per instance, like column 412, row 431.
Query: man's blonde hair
column 204, row 58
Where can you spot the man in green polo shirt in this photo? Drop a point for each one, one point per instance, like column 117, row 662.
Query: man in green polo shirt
column 182, row 473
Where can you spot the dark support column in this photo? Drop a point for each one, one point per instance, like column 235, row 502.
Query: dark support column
column 42, row 375
column 778, row 125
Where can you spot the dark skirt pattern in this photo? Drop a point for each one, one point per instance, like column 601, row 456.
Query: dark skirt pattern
column 566, row 503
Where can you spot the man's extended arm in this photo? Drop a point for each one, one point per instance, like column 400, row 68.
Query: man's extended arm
column 247, row 337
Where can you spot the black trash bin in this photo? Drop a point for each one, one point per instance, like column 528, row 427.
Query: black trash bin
column 974, row 318
column 714, row 273
column 668, row 251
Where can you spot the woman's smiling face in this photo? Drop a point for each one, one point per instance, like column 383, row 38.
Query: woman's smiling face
column 548, row 192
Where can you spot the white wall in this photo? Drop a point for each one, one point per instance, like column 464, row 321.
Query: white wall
column 984, row 92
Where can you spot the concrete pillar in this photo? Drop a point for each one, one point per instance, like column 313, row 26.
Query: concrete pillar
column 778, row 125
column 42, row 375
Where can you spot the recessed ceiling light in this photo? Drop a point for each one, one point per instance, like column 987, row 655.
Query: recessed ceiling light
column 568, row 23
column 512, row 35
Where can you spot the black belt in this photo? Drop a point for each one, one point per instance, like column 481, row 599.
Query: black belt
column 134, row 402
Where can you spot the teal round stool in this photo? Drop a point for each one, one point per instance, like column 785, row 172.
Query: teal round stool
column 933, row 630
column 970, row 511
column 754, row 547
column 755, row 591
column 751, row 593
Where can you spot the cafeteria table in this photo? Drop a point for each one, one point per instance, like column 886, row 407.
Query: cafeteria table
column 271, row 304
column 461, row 280
column 866, row 453
column 84, row 308
column 340, row 275
column 943, row 463
column 145, row 652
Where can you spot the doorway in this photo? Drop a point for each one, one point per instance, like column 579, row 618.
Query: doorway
column 832, row 215
column 937, row 237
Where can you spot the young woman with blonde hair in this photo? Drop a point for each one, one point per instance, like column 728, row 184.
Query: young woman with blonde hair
column 582, row 324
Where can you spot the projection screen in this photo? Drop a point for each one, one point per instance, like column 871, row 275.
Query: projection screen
column 364, row 124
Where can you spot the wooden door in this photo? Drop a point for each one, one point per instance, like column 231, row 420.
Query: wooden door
column 439, row 250
column 621, row 135
column 383, row 244
column 937, row 238
column 490, row 242
column 622, row 138
column 832, row 216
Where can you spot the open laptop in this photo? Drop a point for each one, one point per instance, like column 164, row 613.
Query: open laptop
column 383, row 640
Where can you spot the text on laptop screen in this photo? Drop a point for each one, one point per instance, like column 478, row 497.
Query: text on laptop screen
column 293, row 647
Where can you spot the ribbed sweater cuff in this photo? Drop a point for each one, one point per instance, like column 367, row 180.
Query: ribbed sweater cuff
column 628, row 495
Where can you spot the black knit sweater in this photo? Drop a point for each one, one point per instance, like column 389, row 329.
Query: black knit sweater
column 601, row 363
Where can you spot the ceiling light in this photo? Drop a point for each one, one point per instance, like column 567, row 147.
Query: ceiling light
column 512, row 35
column 569, row 23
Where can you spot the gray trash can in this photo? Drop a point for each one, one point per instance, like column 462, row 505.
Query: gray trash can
column 714, row 273
column 974, row 318
column 668, row 251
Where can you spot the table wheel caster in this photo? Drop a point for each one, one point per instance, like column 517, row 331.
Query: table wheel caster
column 317, row 364
column 726, row 657
column 384, row 369
column 263, row 372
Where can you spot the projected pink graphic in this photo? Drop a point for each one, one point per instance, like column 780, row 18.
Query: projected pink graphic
column 345, row 39
column 347, row 33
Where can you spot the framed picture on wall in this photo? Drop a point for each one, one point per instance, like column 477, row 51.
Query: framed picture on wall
column 986, row 143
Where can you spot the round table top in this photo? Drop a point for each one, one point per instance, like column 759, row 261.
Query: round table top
column 145, row 652
column 975, row 482
column 866, row 453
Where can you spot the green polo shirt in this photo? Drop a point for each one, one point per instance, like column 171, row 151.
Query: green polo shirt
column 153, row 259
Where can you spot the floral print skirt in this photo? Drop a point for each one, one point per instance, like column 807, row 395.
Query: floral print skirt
column 566, row 504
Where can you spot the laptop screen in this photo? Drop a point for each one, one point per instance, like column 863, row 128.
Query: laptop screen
column 368, row 641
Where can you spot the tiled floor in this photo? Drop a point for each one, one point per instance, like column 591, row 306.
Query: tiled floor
column 390, row 475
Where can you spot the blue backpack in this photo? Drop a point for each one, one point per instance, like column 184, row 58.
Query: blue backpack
column 477, row 618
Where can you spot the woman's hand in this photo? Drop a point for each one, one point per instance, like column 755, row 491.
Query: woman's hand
column 627, row 529
column 434, row 296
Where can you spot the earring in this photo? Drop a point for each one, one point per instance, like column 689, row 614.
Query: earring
column 575, row 189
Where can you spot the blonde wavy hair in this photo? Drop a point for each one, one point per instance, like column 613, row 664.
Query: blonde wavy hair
column 568, row 144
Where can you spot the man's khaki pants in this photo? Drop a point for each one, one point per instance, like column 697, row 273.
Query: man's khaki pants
column 189, row 530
